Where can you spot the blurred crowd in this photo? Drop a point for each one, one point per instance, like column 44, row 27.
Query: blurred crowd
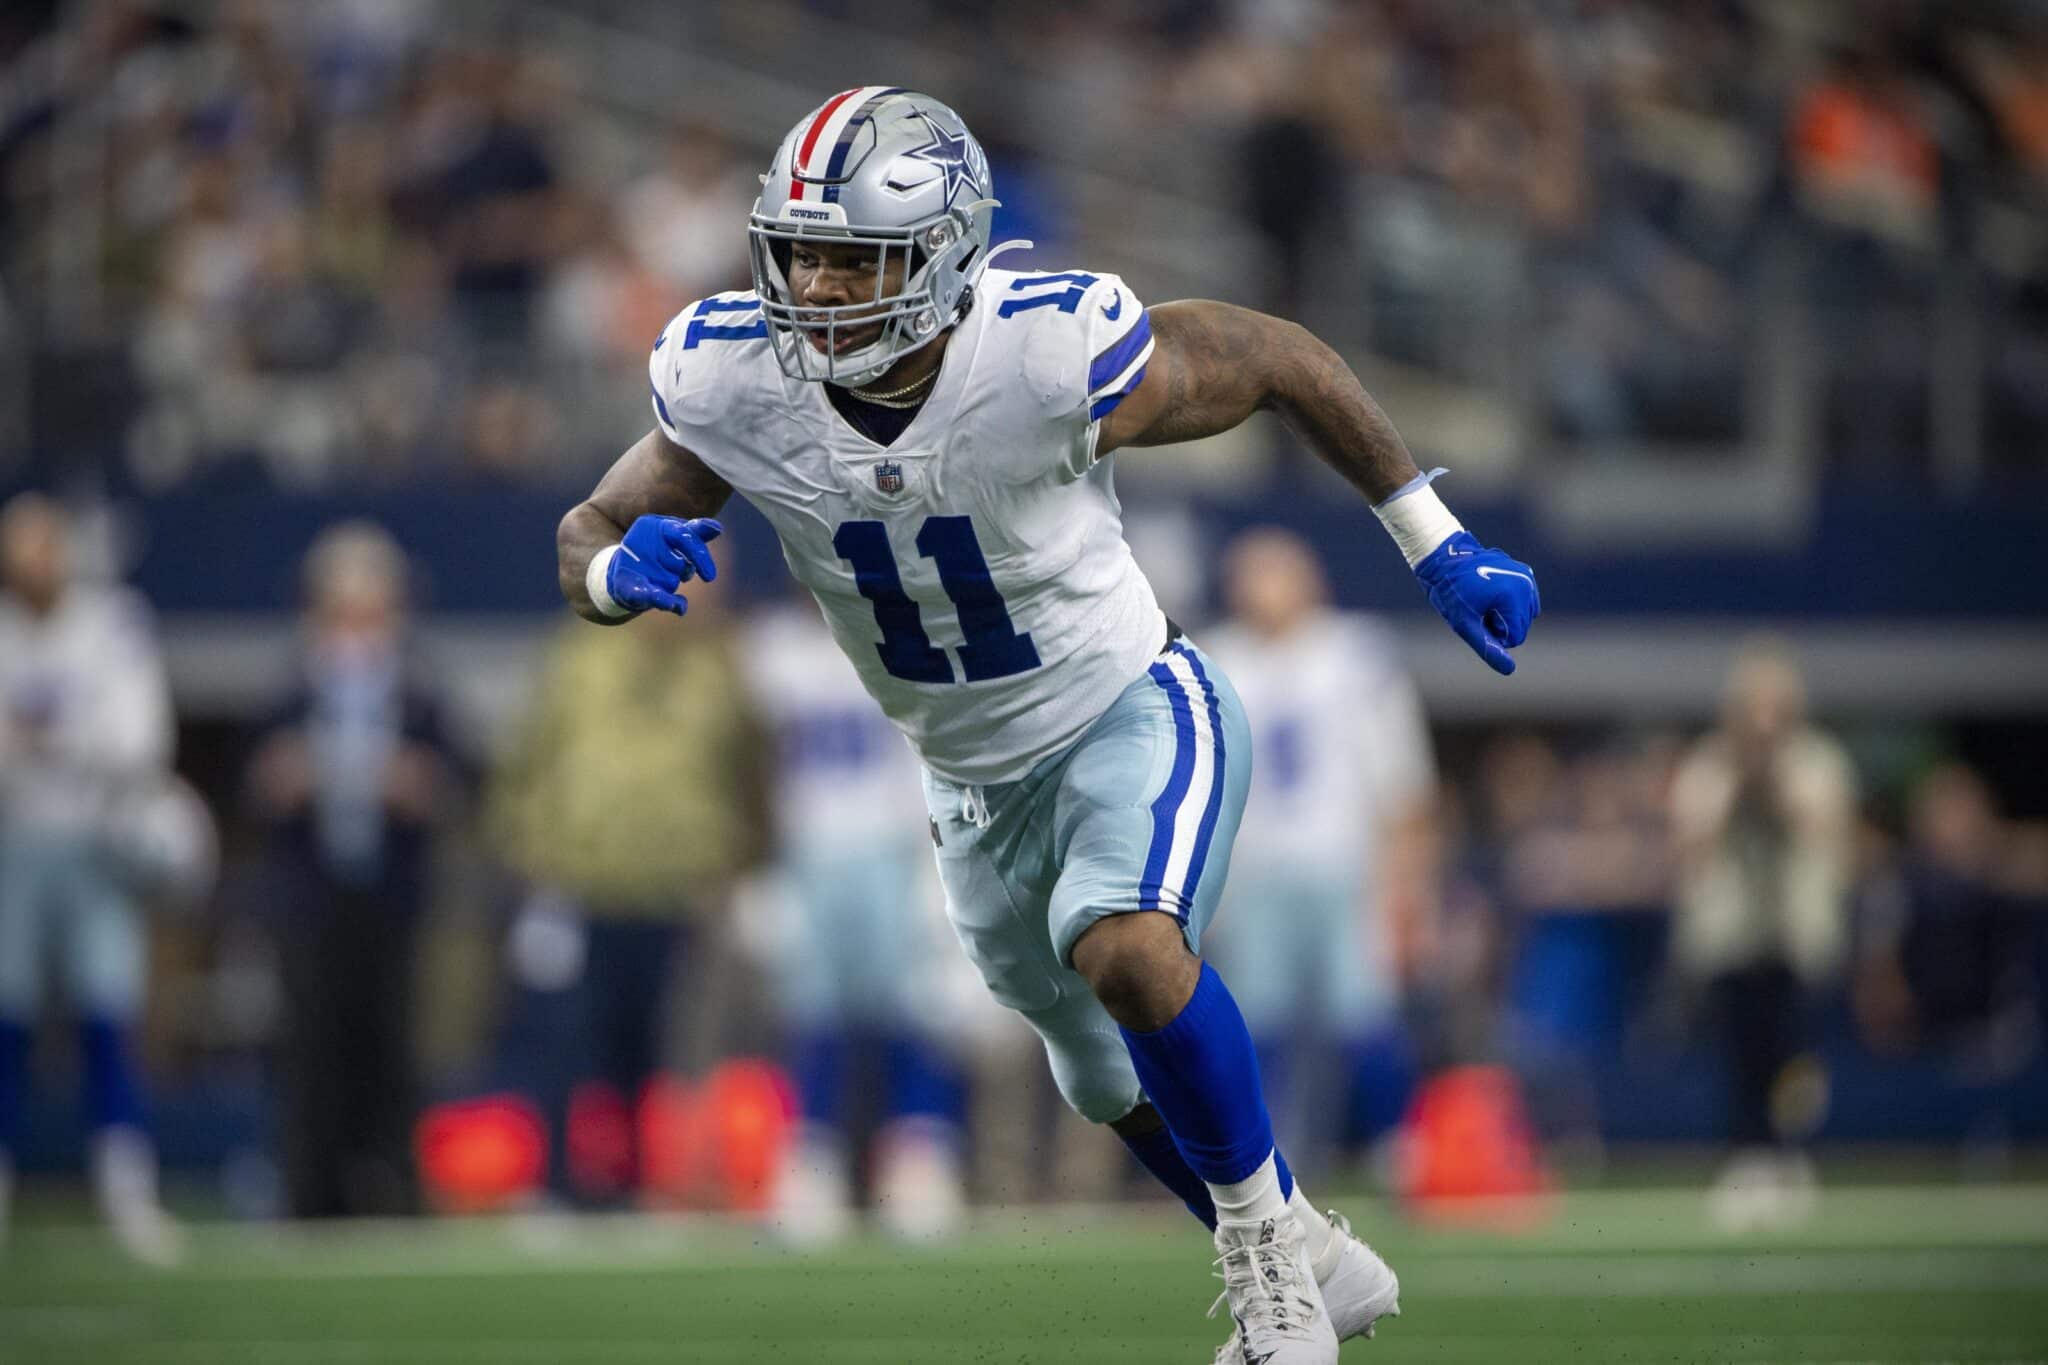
column 333, row 247
column 1642, row 194
column 373, row 242
column 699, row 842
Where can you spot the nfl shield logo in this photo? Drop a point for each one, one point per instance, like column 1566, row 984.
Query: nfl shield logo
column 889, row 476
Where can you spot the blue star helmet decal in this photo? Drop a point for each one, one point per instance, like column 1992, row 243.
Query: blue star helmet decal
column 952, row 155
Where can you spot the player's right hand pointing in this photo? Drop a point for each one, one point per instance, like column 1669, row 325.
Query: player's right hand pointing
column 658, row 556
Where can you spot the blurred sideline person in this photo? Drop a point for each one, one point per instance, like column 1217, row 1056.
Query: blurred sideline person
column 1947, row 964
column 630, row 801
column 855, row 961
column 1340, row 803
column 352, row 777
column 1761, row 816
column 930, row 438
column 85, row 723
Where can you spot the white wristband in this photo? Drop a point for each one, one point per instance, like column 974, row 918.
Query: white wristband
column 1417, row 520
column 594, row 579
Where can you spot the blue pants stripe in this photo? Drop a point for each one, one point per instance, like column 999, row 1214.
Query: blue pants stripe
column 1166, row 807
column 1215, row 805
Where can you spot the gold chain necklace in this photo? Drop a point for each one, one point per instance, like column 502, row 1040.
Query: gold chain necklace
column 897, row 398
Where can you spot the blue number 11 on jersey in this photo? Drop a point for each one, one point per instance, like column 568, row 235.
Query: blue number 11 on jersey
column 992, row 648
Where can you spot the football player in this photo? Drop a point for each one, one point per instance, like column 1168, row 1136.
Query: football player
column 1339, row 806
column 854, row 959
column 930, row 437
column 86, row 731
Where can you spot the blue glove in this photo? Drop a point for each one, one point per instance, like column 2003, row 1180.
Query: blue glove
column 1488, row 598
column 659, row 555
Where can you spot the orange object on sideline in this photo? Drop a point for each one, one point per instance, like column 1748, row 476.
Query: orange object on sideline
column 750, row 1108
column 481, row 1154
column 600, row 1140
column 1471, row 1155
column 671, row 1151
column 719, row 1144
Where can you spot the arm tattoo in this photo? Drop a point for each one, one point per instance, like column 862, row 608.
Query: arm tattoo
column 1224, row 363
column 655, row 476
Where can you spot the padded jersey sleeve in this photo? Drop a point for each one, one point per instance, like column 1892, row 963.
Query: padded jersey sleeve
column 683, row 368
column 1116, row 341
column 661, row 372
column 1086, row 340
column 1117, row 335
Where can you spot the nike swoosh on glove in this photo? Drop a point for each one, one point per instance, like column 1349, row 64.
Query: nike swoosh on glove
column 1488, row 598
column 658, row 556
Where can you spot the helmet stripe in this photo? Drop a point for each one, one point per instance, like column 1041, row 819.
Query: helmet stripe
column 801, row 161
column 837, row 165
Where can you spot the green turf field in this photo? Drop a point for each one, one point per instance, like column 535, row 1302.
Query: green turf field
column 1891, row 1274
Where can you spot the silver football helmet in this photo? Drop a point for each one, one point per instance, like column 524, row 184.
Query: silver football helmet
column 163, row 842
column 881, row 167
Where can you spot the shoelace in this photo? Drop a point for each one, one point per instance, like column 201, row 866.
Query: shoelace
column 1277, row 1305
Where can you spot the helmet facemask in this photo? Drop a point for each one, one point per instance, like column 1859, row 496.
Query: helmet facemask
column 934, row 255
column 880, row 169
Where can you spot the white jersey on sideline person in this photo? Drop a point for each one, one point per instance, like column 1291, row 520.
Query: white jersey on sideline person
column 85, row 710
column 1343, row 757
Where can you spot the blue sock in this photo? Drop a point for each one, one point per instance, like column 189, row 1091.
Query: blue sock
column 111, row 1093
column 818, row 1063
column 1157, row 1153
column 1202, row 1074
column 13, row 1083
column 921, row 1083
column 1382, row 1075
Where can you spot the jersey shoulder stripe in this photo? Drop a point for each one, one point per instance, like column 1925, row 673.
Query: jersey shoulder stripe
column 1083, row 334
column 1119, row 367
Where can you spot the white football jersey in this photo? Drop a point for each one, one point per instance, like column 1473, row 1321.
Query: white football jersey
column 85, row 710
column 1342, row 748
column 845, row 780
column 975, row 570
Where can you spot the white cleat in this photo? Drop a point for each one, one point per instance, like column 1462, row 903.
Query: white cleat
column 1762, row 1189
column 1358, row 1290
column 147, row 1234
column 1746, row 1197
column 812, row 1206
column 920, row 1188
column 1271, row 1290
column 1361, row 1288
column 125, row 1174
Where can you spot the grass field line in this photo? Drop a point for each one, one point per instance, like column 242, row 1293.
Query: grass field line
column 606, row 1351
column 1656, row 1239
column 1847, row 1216
column 1640, row 1220
column 877, row 1350
column 1693, row 1275
column 1599, row 1221
column 1746, row 1275
column 1702, row 1276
